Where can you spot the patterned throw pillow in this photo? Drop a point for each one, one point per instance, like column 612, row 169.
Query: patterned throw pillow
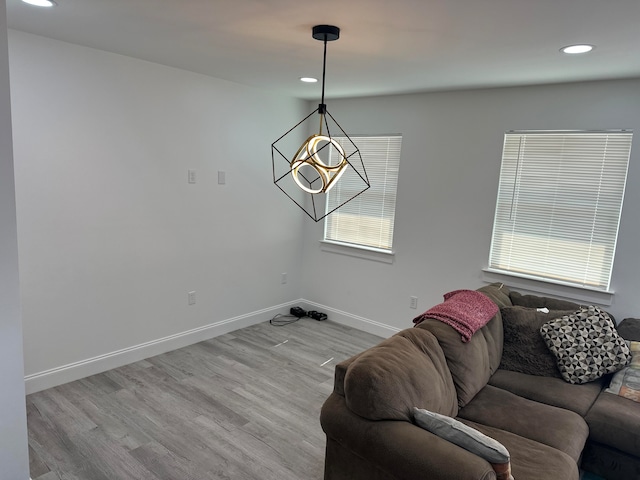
column 586, row 345
column 626, row 382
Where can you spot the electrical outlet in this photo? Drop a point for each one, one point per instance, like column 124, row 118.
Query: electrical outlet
column 191, row 176
column 192, row 298
column 283, row 278
column 222, row 177
column 413, row 302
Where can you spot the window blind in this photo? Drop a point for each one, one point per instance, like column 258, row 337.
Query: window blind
column 367, row 220
column 559, row 205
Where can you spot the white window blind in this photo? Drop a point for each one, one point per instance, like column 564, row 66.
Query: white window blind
column 368, row 219
column 559, row 205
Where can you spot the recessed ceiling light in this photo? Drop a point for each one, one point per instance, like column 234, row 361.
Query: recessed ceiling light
column 308, row 79
column 575, row 49
column 41, row 3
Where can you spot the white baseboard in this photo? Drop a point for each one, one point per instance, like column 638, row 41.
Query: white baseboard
column 353, row 321
column 101, row 363
column 91, row 366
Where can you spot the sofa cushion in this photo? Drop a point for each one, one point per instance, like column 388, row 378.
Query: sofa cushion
column 531, row 460
column 534, row 301
column 615, row 421
column 472, row 363
column 559, row 428
column 586, row 345
column 469, row 362
column 629, row 329
column 498, row 292
column 462, row 435
column 400, row 449
column 549, row 390
column 524, row 349
column 409, row 369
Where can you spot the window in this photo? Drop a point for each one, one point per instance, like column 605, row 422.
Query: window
column 367, row 220
column 559, row 205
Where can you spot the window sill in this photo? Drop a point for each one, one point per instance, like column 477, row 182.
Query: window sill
column 357, row 251
column 571, row 292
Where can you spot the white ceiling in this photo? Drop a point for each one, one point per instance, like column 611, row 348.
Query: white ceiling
column 386, row 46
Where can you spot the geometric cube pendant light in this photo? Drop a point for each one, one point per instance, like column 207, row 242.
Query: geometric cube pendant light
column 325, row 158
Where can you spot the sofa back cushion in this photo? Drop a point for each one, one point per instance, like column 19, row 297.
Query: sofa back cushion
column 535, row 301
column 405, row 371
column 499, row 293
column 472, row 363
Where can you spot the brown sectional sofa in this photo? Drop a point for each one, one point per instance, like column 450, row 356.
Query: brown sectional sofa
column 549, row 426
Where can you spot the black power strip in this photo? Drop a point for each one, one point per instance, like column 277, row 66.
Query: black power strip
column 317, row 315
column 299, row 312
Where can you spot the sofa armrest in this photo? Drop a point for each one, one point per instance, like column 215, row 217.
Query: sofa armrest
column 402, row 449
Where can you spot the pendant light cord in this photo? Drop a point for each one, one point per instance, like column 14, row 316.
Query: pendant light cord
column 324, row 67
column 322, row 108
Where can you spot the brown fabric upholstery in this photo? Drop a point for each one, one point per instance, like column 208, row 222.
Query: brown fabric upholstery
column 556, row 427
column 533, row 301
column 615, row 421
column 405, row 371
column 399, row 449
column 499, row 293
column 531, row 460
column 342, row 464
column 341, row 371
column 493, row 334
column 468, row 362
column 472, row 363
column 551, row 391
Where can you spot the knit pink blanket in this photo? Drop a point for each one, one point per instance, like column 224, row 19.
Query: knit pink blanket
column 465, row 310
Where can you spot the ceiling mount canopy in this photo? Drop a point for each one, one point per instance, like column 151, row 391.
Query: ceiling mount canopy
column 327, row 33
column 308, row 175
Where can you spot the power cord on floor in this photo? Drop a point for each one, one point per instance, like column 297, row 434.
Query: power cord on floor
column 281, row 320
column 296, row 313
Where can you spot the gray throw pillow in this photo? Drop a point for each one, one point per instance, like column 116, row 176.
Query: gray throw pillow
column 586, row 345
column 462, row 435
column 524, row 349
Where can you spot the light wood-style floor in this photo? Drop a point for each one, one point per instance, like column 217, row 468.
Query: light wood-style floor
column 240, row 406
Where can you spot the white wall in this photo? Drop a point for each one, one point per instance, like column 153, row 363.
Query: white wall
column 111, row 235
column 14, row 461
column 449, row 169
